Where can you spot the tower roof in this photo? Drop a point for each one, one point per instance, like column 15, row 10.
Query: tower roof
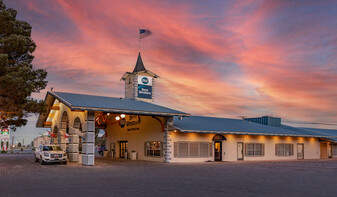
column 139, row 65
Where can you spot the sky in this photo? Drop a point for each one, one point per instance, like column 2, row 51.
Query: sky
column 214, row 58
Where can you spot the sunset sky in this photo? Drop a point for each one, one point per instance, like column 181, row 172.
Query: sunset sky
column 215, row 58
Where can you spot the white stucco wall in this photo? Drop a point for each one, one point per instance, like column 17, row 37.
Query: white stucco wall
column 229, row 146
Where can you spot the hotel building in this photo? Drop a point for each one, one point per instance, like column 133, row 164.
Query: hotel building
column 136, row 128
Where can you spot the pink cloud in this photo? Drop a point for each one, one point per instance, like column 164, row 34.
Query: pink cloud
column 271, row 45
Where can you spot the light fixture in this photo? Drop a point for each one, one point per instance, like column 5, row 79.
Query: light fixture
column 118, row 118
column 122, row 115
column 108, row 114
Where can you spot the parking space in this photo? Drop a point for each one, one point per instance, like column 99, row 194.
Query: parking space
column 21, row 176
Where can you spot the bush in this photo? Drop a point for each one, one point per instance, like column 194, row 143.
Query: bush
column 3, row 151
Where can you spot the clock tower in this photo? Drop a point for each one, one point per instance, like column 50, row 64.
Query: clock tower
column 139, row 84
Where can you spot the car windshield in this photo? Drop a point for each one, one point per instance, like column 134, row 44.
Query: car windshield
column 51, row 148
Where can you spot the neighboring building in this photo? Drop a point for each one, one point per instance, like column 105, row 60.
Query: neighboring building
column 135, row 125
column 4, row 139
column 41, row 140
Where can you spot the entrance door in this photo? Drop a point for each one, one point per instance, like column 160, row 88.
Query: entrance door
column 240, row 150
column 123, row 148
column 324, row 150
column 300, row 151
column 218, row 151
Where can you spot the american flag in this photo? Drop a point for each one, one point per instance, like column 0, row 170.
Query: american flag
column 143, row 33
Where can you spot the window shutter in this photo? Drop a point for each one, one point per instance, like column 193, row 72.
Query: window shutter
column 245, row 149
column 183, row 149
column 175, row 151
column 194, row 149
column 211, row 149
column 262, row 149
column 276, row 148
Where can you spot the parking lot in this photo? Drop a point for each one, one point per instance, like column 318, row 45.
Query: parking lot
column 20, row 176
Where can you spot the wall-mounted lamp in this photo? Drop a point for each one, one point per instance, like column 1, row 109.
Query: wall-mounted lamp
column 122, row 115
column 118, row 118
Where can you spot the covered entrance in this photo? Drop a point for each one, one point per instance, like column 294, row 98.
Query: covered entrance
column 218, row 147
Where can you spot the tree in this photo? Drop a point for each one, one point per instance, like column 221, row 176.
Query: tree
column 18, row 78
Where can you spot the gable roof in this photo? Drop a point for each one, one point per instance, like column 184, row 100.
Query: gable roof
column 201, row 124
column 107, row 104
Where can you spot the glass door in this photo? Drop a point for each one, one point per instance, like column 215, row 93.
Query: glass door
column 123, row 148
column 300, row 151
column 218, row 151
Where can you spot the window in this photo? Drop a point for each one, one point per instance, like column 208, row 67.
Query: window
column 153, row 149
column 284, row 149
column 334, row 149
column 254, row 150
column 192, row 149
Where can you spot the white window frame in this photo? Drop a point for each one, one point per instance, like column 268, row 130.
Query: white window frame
column 252, row 149
column 160, row 149
column 284, row 149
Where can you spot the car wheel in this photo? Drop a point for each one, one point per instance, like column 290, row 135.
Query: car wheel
column 41, row 161
column 35, row 158
column 65, row 163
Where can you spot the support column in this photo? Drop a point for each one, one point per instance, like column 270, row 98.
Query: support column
column 88, row 143
column 73, row 147
column 63, row 143
column 167, row 145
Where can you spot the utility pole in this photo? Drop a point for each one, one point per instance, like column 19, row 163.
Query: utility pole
column 12, row 143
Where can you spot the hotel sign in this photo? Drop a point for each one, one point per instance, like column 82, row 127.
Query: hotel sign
column 144, row 87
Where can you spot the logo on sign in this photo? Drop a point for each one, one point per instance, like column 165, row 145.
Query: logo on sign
column 145, row 80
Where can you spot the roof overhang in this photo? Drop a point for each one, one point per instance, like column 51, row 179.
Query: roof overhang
column 50, row 98
column 125, row 75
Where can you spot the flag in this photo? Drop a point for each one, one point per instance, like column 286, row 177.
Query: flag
column 143, row 33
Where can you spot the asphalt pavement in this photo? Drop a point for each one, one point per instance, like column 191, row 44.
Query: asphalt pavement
column 21, row 176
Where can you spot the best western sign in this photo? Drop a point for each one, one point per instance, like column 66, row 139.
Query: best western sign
column 145, row 87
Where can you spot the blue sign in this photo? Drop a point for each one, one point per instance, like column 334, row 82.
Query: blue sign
column 144, row 91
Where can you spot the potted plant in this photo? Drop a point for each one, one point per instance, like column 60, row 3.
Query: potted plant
column 133, row 155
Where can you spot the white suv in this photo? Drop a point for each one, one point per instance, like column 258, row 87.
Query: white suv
column 49, row 154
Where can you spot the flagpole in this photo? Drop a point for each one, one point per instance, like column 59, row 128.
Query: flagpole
column 138, row 39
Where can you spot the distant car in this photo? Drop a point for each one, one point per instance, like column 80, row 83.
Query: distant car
column 50, row 154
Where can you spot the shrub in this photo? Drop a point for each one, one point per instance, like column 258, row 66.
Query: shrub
column 3, row 151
